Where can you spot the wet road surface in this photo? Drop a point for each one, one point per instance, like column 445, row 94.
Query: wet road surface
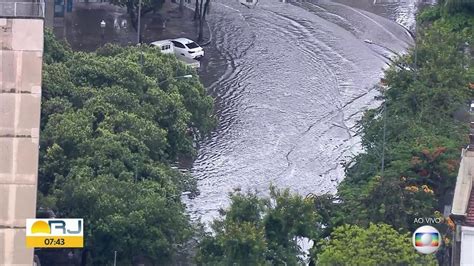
column 293, row 78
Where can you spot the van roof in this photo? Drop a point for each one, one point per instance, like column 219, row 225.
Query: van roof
column 183, row 40
column 161, row 42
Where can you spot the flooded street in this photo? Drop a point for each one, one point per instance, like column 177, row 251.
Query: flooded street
column 295, row 79
column 400, row 11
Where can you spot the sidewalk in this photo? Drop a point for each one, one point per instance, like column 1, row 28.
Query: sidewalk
column 82, row 28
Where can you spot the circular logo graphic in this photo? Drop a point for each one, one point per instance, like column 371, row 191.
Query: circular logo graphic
column 426, row 239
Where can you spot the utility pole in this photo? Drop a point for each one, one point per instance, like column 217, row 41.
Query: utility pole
column 139, row 20
column 415, row 67
column 384, row 135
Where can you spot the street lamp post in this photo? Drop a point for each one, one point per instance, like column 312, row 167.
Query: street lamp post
column 102, row 29
column 179, row 77
column 139, row 20
column 382, row 163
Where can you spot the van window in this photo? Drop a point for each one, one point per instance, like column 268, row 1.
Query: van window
column 192, row 45
column 178, row 44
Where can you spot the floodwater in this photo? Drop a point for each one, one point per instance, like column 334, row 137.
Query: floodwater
column 293, row 80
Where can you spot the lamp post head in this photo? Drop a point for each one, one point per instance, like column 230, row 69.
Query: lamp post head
column 102, row 24
column 179, row 77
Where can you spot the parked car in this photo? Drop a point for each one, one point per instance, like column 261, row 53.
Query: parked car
column 166, row 46
column 187, row 48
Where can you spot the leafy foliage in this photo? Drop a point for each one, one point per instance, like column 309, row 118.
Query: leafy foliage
column 259, row 231
column 130, row 218
column 426, row 114
column 54, row 50
column 379, row 244
column 109, row 133
column 457, row 5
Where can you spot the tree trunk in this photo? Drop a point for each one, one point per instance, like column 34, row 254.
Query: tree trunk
column 84, row 255
column 206, row 9
column 201, row 26
column 197, row 15
column 181, row 5
column 133, row 17
column 202, row 19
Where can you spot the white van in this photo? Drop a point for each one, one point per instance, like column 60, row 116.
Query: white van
column 166, row 46
column 187, row 48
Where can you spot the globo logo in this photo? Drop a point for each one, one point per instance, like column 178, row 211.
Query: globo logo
column 426, row 239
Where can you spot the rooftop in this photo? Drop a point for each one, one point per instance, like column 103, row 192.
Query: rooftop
column 470, row 210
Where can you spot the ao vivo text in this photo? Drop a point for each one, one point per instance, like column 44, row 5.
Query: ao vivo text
column 428, row 220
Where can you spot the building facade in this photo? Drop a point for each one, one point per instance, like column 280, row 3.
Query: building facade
column 21, row 52
column 462, row 212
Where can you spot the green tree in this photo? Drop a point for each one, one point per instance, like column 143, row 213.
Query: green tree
column 260, row 231
column 54, row 50
column 457, row 5
column 425, row 104
column 201, row 9
column 379, row 244
column 424, row 117
column 141, row 218
column 106, row 110
column 109, row 133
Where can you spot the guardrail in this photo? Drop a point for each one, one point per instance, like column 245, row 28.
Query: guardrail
column 22, row 9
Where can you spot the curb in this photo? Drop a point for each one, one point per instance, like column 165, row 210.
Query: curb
column 210, row 35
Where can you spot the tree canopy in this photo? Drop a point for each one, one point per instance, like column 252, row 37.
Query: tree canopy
column 426, row 125
column 109, row 134
column 379, row 244
column 260, row 231
column 457, row 5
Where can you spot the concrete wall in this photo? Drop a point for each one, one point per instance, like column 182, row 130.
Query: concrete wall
column 21, row 52
column 467, row 246
column 464, row 183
